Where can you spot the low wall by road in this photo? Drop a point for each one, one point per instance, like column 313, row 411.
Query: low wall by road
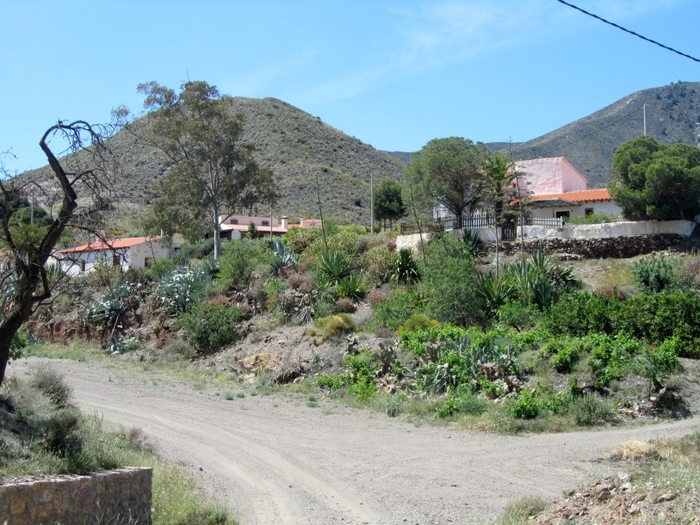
column 119, row 497
column 609, row 230
column 616, row 240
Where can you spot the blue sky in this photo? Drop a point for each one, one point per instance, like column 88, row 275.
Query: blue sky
column 392, row 73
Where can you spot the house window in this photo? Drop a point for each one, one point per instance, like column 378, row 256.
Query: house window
column 82, row 266
column 148, row 262
column 265, row 223
column 562, row 214
column 589, row 211
column 116, row 260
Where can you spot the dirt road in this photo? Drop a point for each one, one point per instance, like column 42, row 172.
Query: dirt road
column 275, row 460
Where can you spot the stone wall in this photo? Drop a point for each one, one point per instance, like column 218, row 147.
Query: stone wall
column 119, row 497
column 611, row 247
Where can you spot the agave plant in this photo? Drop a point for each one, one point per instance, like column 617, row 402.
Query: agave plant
column 178, row 291
column 285, row 257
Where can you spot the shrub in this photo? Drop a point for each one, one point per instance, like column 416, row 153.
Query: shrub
column 240, row 259
column 198, row 251
column 379, row 264
column 345, row 305
column 332, row 326
column 362, row 370
column 416, row 322
column 210, row 327
column 450, row 284
column 655, row 363
column 19, row 342
column 611, row 357
column 465, row 403
column 655, row 274
column 525, row 406
column 52, row 384
column 589, row 410
column 396, row 309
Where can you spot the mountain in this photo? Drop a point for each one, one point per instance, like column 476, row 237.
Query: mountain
column 309, row 158
column 312, row 159
column 672, row 116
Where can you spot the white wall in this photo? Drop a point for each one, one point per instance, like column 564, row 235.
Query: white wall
column 599, row 208
column 612, row 229
column 549, row 175
column 152, row 250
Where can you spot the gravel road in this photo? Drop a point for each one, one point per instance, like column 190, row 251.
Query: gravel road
column 275, row 460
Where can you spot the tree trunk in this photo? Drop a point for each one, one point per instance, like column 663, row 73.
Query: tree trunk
column 217, row 232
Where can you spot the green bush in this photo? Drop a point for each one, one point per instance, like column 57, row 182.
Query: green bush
column 525, row 406
column 378, row 263
column 450, row 283
column 656, row 363
column 362, row 371
column 465, row 403
column 396, row 309
column 240, row 259
column 611, row 357
column 589, row 410
column 210, row 327
column 655, row 274
column 331, row 326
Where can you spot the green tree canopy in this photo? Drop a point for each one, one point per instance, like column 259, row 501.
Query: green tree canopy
column 656, row 181
column 448, row 172
column 388, row 203
column 214, row 172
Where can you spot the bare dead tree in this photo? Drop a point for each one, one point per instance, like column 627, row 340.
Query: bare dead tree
column 82, row 177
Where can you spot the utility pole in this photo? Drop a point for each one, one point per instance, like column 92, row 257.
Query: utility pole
column 644, row 109
column 371, row 201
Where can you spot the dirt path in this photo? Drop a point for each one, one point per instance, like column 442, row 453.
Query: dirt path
column 275, row 460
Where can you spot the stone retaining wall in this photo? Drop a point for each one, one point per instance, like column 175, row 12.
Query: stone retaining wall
column 119, row 497
column 612, row 247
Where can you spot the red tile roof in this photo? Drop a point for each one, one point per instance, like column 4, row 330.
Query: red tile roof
column 599, row 194
column 115, row 244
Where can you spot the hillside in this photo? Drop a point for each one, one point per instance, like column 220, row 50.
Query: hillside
column 302, row 150
column 672, row 115
column 305, row 152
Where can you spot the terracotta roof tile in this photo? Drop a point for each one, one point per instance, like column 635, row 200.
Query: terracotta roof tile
column 115, row 244
column 598, row 194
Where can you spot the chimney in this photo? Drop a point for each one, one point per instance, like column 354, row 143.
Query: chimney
column 283, row 221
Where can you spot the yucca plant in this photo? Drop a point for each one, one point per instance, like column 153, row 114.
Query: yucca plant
column 351, row 287
column 495, row 289
column 405, row 267
column 333, row 266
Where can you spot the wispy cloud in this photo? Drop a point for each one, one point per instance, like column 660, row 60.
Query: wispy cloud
column 437, row 34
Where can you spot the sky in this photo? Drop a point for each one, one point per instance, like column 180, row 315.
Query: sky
column 394, row 74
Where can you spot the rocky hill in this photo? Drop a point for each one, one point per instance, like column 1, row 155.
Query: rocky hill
column 308, row 157
column 672, row 115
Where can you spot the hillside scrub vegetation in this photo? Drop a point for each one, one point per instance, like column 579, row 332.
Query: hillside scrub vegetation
column 517, row 345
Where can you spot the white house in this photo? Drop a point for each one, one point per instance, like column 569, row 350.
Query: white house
column 133, row 252
column 235, row 226
column 553, row 188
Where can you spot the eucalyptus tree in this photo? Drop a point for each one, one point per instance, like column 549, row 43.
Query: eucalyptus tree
column 214, row 172
column 26, row 276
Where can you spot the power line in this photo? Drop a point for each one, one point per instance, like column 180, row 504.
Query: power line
column 628, row 31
